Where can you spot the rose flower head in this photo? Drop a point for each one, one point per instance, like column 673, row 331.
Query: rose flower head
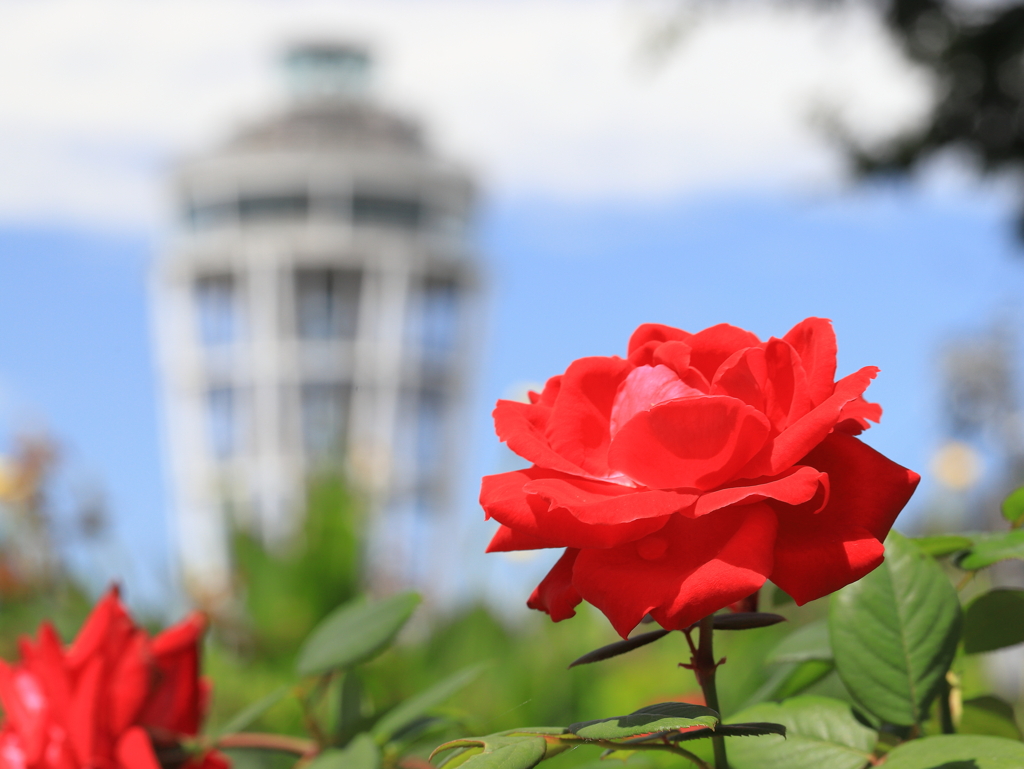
column 682, row 477
column 113, row 699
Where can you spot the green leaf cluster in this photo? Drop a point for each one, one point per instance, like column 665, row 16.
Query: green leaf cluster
column 287, row 591
column 659, row 727
column 889, row 643
column 885, row 654
column 347, row 732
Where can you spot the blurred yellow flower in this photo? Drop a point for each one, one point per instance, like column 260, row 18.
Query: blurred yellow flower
column 957, row 465
column 8, row 480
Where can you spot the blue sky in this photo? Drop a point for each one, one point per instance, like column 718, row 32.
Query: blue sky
column 899, row 270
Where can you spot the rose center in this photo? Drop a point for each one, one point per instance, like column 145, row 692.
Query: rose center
column 645, row 388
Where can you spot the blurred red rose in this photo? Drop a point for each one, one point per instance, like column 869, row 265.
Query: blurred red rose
column 681, row 478
column 114, row 699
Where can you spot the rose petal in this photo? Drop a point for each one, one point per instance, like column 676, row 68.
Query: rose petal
column 506, row 540
column 174, row 703
column 105, row 632
column 794, row 487
column 742, row 376
column 644, row 388
column 815, row 342
column 675, row 355
column 785, row 385
column 655, row 332
column 550, row 392
column 504, row 499
column 853, row 419
column 644, row 356
column 568, row 432
column 211, row 759
column 85, row 712
column 819, row 552
column 578, row 427
column 521, row 426
column 555, row 594
column 45, row 662
column 606, row 504
column 182, row 637
column 712, row 346
column 129, row 684
column 807, row 432
column 12, row 753
column 689, row 569
column 25, row 706
column 135, row 751
column 689, row 443
column 809, row 568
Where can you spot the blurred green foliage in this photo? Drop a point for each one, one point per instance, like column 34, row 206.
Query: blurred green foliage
column 284, row 593
column 525, row 679
column 65, row 604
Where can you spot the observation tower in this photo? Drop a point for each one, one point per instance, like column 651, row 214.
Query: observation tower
column 315, row 313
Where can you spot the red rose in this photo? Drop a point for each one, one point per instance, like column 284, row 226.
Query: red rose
column 681, row 478
column 112, row 700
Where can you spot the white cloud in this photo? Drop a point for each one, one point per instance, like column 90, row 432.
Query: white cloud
column 542, row 96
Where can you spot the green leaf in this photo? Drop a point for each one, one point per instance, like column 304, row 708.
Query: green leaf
column 354, row 633
column 414, row 707
column 957, row 751
column 755, row 729
column 510, row 753
column 994, row 620
column 810, row 642
column 618, row 755
column 807, row 658
column 805, row 675
column 663, row 717
column 942, row 544
column 361, row 753
column 990, row 548
column 745, row 620
column 780, row 597
column 789, row 679
column 820, row 733
column 895, row 632
column 513, row 749
column 459, row 757
column 247, row 715
column 350, row 708
column 423, row 728
column 989, row 715
column 1013, row 508
column 619, row 647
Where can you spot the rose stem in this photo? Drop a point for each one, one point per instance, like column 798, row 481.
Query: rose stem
column 262, row 741
column 705, row 667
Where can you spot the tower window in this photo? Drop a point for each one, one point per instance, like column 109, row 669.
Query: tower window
column 435, row 316
column 222, row 419
column 206, row 215
column 386, row 211
column 217, row 308
column 266, row 207
column 324, row 407
column 429, row 434
column 327, row 303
